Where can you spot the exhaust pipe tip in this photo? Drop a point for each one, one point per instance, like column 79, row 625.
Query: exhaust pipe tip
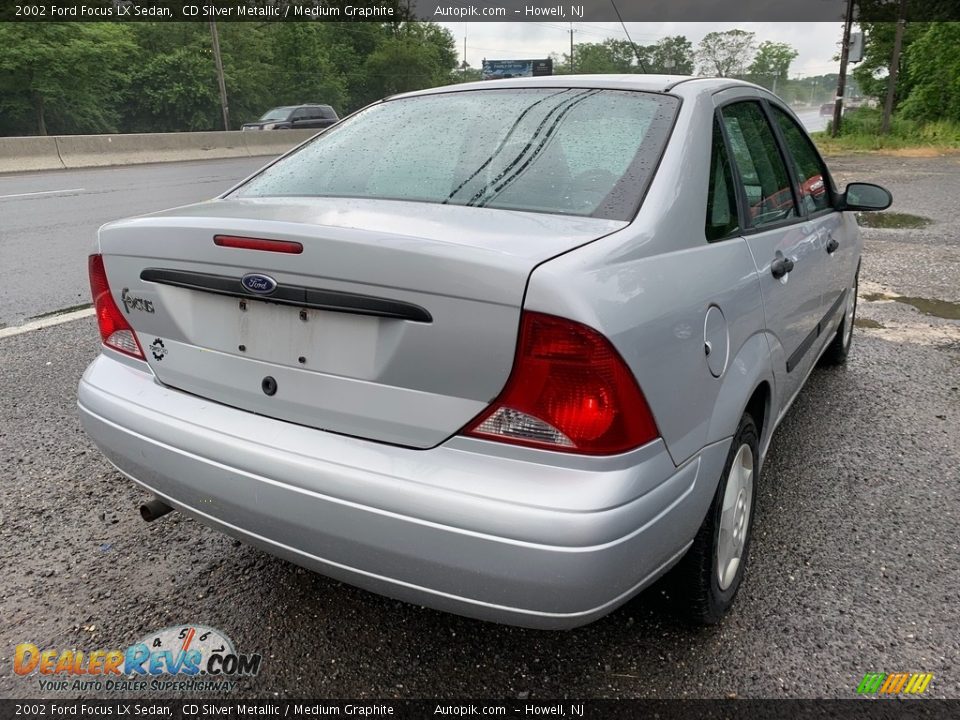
column 154, row 509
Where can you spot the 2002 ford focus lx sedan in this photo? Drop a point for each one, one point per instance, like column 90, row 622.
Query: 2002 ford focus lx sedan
column 511, row 350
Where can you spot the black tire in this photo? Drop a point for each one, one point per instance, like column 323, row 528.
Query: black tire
column 839, row 348
column 696, row 579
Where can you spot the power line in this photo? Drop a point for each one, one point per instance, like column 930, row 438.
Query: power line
column 636, row 50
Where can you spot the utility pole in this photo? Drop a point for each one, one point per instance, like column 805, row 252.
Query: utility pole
column 223, row 87
column 842, row 80
column 894, row 68
column 571, row 48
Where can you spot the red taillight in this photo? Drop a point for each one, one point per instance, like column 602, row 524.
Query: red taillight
column 246, row 243
column 570, row 391
column 115, row 331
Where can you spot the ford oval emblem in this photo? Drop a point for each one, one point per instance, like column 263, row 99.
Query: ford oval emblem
column 258, row 283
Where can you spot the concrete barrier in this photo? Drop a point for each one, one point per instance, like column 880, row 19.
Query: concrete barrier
column 274, row 142
column 22, row 154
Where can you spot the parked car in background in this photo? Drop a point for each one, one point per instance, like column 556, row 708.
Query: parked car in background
column 474, row 349
column 826, row 110
column 295, row 117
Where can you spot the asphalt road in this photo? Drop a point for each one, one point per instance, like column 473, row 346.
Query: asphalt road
column 812, row 120
column 853, row 569
column 49, row 221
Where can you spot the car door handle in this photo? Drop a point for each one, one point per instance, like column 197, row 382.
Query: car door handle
column 832, row 245
column 781, row 266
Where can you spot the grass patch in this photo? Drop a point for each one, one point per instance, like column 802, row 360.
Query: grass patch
column 860, row 132
column 891, row 220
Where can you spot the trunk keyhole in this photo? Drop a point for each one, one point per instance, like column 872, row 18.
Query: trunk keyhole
column 269, row 385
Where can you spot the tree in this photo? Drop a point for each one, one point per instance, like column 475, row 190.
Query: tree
column 609, row 56
column 932, row 71
column 672, row 55
column 172, row 84
column 249, row 69
column 871, row 74
column 305, row 71
column 160, row 76
column 725, row 54
column 419, row 55
column 771, row 64
column 62, row 77
column 465, row 74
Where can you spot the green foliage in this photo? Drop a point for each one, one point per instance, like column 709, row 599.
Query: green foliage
column 419, row 55
column 160, row 77
column 927, row 96
column 672, row 55
column 771, row 64
column 871, row 74
column 303, row 70
column 62, row 77
column 860, row 131
column 173, row 83
column 725, row 54
column 609, row 56
column 932, row 74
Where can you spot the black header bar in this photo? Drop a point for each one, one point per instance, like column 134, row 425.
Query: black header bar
column 469, row 10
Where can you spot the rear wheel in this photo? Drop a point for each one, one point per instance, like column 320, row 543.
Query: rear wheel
column 839, row 349
column 708, row 577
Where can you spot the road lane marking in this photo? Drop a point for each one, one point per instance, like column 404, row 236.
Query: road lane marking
column 46, row 322
column 44, row 192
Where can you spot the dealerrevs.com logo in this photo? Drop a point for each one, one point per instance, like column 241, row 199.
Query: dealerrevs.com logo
column 184, row 658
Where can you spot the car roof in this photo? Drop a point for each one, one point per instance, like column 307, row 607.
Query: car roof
column 681, row 84
column 296, row 107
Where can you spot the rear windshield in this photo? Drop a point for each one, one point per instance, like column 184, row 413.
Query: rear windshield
column 569, row 151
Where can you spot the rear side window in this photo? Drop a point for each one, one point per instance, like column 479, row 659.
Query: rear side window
column 722, row 218
column 762, row 172
column 811, row 173
column 574, row 151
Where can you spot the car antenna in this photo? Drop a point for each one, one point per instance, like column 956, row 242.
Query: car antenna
column 636, row 50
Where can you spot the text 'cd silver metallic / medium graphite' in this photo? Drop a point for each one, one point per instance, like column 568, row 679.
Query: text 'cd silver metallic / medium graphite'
column 510, row 349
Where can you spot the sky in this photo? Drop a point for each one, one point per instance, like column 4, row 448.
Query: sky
column 817, row 43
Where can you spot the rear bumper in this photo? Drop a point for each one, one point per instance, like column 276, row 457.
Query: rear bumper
column 512, row 537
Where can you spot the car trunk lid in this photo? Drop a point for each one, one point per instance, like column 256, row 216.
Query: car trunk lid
column 397, row 322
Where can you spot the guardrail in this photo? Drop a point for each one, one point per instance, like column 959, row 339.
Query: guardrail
column 20, row 154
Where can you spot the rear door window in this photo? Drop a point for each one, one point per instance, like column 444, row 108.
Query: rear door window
column 762, row 173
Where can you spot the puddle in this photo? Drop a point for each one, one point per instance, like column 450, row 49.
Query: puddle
column 867, row 323
column 891, row 220
column 61, row 311
column 935, row 308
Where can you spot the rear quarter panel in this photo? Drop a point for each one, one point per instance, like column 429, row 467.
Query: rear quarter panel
column 648, row 289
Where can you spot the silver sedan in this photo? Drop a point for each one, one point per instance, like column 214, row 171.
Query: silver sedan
column 512, row 350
